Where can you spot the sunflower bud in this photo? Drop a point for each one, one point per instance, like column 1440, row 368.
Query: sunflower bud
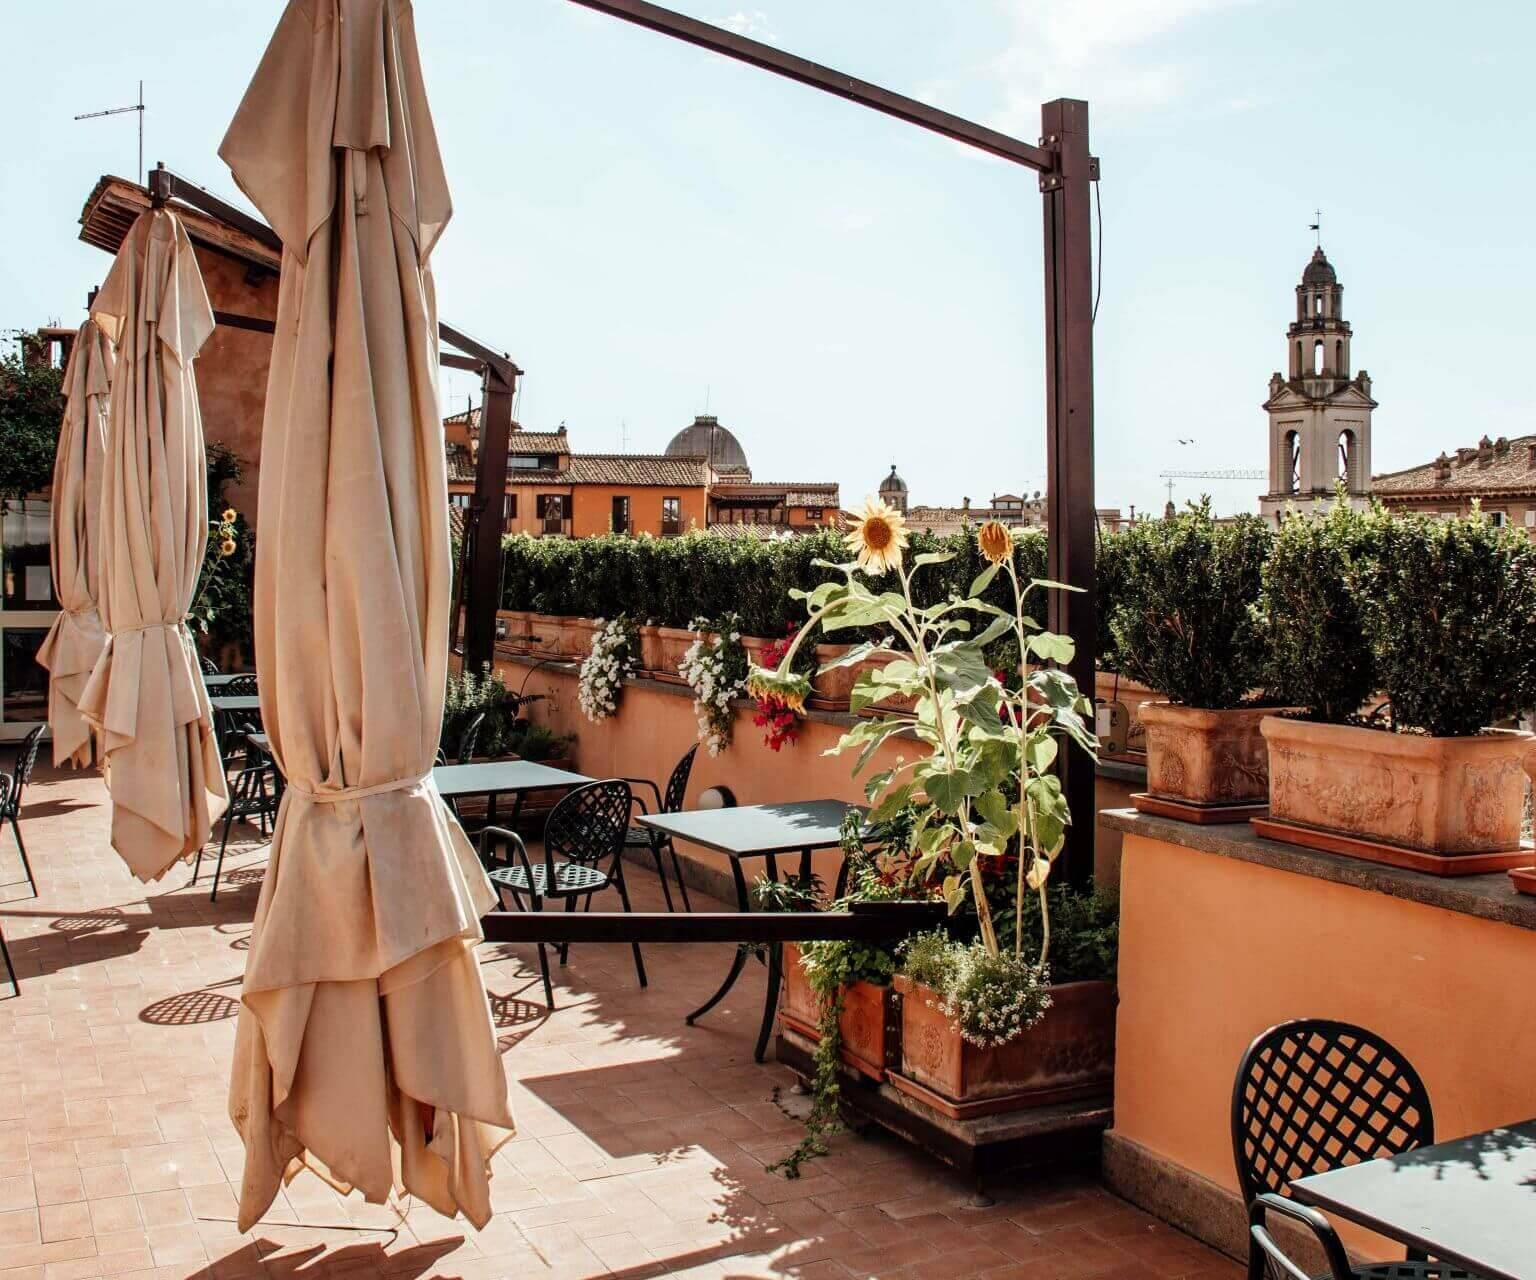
column 995, row 541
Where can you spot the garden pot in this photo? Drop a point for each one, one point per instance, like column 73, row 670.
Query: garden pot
column 754, row 646
column 830, row 689
column 650, row 648
column 893, row 704
column 1069, row 1054
column 576, row 637
column 1202, row 757
column 544, row 633
column 1456, row 797
column 675, row 642
column 520, row 629
column 868, row 1022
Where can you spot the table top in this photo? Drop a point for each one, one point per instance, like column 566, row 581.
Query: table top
column 755, row 830
column 243, row 702
column 498, row 777
column 212, row 681
column 1470, row 1201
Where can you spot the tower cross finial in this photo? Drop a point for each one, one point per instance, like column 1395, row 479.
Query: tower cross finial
column 1317, row 226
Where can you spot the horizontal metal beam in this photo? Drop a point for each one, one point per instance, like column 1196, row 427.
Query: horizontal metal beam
column 764, row 56
column 725, row 926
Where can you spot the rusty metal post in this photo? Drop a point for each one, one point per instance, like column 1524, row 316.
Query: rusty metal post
column 483, row 528
column 1070, row 497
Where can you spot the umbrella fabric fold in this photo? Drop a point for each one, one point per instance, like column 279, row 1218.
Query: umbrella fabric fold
column 73, row 644
column 365, row 1049
column 145, row 696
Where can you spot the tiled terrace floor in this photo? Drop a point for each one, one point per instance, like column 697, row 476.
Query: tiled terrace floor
column 641, row 1148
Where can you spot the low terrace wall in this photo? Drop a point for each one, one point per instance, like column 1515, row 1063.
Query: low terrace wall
column 1224, row 934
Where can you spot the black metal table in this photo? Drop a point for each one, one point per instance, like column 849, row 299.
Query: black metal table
column 1470, row 1201
column 247, row 702
column 493, row 778
column 757, row 831
column 214, row 682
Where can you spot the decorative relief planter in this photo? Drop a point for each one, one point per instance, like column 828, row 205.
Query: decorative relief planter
column 576, row 637
column 1069, row 1054
column 544, row 633
column 1451, row 806
column 519, row 628
column 673, row 643
column 830, row 689
column 650, row 648
column 869, row 1022
column 1204, row 765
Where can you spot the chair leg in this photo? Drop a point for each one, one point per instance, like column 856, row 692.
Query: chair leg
column 22, row 848
column 9, row 967
column 565, row 947
column 549, row 988
column 661, row 874
column 633, row 946
column 223, row 844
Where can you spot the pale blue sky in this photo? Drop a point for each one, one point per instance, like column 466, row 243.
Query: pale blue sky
column 638, row 221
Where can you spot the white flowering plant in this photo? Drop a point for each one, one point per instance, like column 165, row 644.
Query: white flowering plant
column 715, row 668
column 614, row 657
column 992, row 997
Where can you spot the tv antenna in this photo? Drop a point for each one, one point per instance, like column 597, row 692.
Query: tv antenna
column 118, row 111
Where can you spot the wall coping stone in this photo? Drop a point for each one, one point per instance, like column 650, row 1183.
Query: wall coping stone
column 1488, row 897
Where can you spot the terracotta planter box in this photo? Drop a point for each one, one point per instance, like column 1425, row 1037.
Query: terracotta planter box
column 650, row 648
column 830, row 690
column 673, row 644
column 545, row 631
column 1449, row 796
column 868, row 1022
column 1070, row 1054
column 893, row 703
column 576, row 637
column 1204, row 757
column 520, row 629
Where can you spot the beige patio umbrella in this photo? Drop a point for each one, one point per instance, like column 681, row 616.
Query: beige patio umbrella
column 365, row 1048
column 74, row 642
column 145, row 696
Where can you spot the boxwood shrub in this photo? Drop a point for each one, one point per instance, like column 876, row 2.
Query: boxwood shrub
column 1184, row 622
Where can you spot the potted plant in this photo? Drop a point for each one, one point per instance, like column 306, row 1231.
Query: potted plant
column 1185, row 625
column 1440, row 615
column 986, row 805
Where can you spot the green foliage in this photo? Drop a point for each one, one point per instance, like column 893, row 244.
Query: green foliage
column 31, row 408
column 1085, row 933
column 223, row 606
column 1185, row 622
column 1319, row 654
column 466, row 696
column 670, row 581
column 528, row 741
column 1109, row 588
column 1450, row 610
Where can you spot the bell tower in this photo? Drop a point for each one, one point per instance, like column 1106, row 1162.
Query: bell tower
column 1319, row 415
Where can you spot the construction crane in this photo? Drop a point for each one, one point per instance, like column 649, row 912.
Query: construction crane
column 1229, row 473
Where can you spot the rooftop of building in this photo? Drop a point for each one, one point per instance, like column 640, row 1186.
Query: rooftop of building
column 636, row 469
column 1491, row 466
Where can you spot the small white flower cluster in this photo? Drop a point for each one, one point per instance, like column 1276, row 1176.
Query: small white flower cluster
column 995, row 999
column 605, row 668
column 714, row 667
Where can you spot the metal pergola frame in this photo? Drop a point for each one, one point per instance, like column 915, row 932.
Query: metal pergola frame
column 1066, row 169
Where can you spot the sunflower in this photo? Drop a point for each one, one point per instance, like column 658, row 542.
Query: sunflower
column 996, row 542
column 877, row 535
column 788, row 687
column 229, row 516
column 227, row 547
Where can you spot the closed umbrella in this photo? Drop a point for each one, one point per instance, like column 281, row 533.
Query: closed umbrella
column 364, row 1048
column 74, row 642
column 145, row 696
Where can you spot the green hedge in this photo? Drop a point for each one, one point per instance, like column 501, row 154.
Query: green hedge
column 671, row 581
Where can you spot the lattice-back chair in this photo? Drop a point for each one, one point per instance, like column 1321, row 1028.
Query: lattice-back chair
column 1310, row 1096
column 253, row 796
column 11, row 787
column 210, row 667
column 643, row 837
column 583, row 855
column 231, row 732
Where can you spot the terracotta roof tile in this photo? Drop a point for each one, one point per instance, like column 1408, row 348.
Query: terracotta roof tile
column 753, row 532
column 461, row 467
column 1506, row 465
column 636, row 469
column 526, row 442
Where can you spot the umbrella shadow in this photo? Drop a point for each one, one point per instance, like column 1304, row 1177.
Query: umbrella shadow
column 265, row 1256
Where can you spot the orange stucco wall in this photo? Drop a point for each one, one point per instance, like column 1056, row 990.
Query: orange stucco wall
column 1213, row 951
column 232, row 368
column 593, row 505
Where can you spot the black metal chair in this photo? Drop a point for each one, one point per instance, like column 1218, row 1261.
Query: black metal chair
column 210, row 667
column 11, row 788
column 469, row 740
column 1312, row 1095
column 249, row 798
column 642, row 837
column 231, row 734
column 583, row 855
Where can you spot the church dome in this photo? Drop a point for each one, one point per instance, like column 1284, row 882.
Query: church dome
column 706, row 438
column 1319, row 270
column 893, row 483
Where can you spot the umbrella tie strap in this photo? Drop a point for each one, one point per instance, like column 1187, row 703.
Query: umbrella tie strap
column 330, row 796
column 150, row 626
